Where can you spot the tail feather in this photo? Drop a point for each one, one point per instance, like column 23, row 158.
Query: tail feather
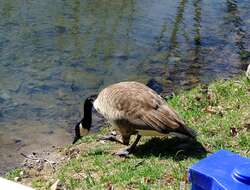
column 166, row 120
column 187, row 131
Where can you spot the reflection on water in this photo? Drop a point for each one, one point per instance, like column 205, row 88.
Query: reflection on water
column 55, row 53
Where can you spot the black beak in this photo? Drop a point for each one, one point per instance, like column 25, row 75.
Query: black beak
column 76, row 139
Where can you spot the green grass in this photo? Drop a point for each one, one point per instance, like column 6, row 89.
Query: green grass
column 13, row 174
column 218, row 113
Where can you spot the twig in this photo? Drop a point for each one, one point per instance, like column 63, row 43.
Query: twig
column 39, row 159
column 50, row 163
column 25, row 156
column 139, row 163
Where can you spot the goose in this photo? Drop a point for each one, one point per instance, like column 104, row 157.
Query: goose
column 133, row 109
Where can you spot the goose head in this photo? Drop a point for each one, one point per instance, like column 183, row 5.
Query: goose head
column 82, row 128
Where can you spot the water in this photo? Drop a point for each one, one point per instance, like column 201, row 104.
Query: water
column 53, row 54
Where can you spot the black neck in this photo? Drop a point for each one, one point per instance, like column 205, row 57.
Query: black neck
column 87, row 120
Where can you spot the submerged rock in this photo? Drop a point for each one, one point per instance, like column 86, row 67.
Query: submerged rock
column 4, row 96
column 156, row 86
column 244, row 54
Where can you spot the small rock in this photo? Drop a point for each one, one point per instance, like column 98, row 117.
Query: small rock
column 21, row 173
column 39, row 167
column 18, row 141
column 120, row 55
column 248, row 72
column 102, row 141
column 17, row 179
column 34, row 153
column 57, row 186
column 50, row 132
column 174, row 59
column 113, row 133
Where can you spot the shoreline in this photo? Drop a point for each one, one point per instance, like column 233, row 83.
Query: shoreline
column 36, row 138
column 218, row 112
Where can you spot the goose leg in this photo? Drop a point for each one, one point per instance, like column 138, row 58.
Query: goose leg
column 129, row 149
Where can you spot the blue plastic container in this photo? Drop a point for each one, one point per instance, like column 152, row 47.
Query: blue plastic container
column 222, row 170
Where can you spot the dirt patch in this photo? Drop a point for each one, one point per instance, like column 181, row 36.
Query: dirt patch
column 37, row 139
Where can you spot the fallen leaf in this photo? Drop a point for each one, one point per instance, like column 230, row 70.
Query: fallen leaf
column 211, row 96
column 247, row 126
column 147, row 180
column 198, row 98
column 214, row 110
column 210, row 109
column 168, row 179
column 110, row 186
column 233, row 131
column 185, row 177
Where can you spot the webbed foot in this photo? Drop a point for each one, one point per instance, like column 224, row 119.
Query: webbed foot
column 123, row 153
column 110, row 137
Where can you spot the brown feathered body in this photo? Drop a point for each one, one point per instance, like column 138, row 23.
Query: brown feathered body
column 134, row 108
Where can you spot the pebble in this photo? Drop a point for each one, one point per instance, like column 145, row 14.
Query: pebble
column 248, row 72
column 39, row 167
column 17, row 179
column 57, row 186
column 102, row 141
column 113, row 133
column 174, row 59
column 18, row 141
column 21, row 173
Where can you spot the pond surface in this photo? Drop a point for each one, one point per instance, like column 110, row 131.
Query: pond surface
column 53, row 54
